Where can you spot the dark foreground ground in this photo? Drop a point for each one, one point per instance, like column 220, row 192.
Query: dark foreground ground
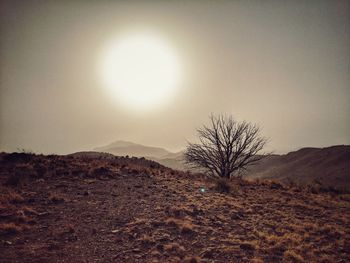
column 107, row 209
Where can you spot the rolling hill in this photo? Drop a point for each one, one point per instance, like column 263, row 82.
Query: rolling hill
column 326, row 166
column 122, row 148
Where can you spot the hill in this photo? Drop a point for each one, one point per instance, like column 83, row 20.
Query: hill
column 100, row 208
column 160, row 155
column 326, row 166
column 123, row 148
column 323, row 166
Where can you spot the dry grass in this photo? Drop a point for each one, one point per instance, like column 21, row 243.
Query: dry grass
column 146, row 213
column 15, row 216
column 10, row 229
column 192, row 259
column 56, row 199
column 248, row 245
column 29, row 211
column 180, row 211
column 174, row 248
column 146, row 240
column 185, row 226
column 292, row 256
column 9, row 196
column 256, row 260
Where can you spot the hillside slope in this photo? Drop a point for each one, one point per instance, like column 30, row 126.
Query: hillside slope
column 85, row 209
column 326, row 166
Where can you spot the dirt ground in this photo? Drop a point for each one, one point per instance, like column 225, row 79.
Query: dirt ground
column 109, row 209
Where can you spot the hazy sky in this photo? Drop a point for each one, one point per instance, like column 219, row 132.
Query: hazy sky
column 282, row 64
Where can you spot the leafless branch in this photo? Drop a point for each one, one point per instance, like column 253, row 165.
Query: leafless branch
column 226, row 146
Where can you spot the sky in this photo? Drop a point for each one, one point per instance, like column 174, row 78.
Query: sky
column 284, row 65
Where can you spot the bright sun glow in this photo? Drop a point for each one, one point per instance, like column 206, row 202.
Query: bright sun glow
column 140, row 70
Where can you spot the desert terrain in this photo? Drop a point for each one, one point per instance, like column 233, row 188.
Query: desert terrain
column 92, row 207
column 325, row 167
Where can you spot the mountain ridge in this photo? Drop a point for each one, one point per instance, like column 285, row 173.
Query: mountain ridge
column 122, row 147
column 328, row 165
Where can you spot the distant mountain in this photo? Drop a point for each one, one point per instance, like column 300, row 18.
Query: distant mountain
column 92, row 154
column 327, row 166
column 122, row 148
column 173, row 160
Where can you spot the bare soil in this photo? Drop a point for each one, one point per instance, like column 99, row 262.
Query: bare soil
column 114, row 209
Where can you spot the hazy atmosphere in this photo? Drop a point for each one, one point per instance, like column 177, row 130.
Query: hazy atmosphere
column 284, row 65
column 175, row 131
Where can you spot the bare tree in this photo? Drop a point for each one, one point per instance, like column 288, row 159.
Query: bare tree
column 226, row 147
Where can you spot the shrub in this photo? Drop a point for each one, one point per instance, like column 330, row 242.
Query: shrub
column 22, row 157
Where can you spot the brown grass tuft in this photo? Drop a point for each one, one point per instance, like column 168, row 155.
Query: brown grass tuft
column 186, row 228
column 192, row 259
column 292, row 256
column 174, row 247
column 9, row 229
column 10, row 196
column 184, row 225
column 248, row 246
column 56, row 199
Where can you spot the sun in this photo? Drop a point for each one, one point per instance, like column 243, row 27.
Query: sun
column 141, row 71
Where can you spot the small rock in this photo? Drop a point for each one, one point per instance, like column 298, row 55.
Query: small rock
column 43, row 214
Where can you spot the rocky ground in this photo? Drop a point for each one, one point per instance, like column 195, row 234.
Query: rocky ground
column 106, row 209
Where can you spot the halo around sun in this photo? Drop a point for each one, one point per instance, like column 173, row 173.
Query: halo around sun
column 141, row 71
